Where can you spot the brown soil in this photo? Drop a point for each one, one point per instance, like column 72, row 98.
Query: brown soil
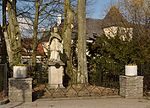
column 38, row 91
column 2, row 96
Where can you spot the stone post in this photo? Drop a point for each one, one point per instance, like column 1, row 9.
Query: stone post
column 55, row 75
column 131, row 86
column 20, row 89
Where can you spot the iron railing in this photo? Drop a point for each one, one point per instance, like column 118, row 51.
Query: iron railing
column 106, row 83
column 144, row 70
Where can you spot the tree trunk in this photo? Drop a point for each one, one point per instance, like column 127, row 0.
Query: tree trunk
column 13, row 34
column 4, row 51
column 9, row 51
column 35, row 32
column 82, row 76
column 67, row 33
column 4, row 12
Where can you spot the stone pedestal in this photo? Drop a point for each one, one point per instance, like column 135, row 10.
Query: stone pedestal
column 55, row 74
column 131, row 86
column 20, row 90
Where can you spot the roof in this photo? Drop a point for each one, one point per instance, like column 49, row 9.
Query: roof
column 27, row 47
column 40, row 50
column 93, row 26
column 45, row 36
column 114, row 18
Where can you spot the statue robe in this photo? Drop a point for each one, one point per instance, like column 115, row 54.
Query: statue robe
column 55, row 49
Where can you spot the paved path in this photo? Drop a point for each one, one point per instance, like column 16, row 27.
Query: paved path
column 83, row 103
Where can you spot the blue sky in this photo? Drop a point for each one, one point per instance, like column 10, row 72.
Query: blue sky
column 100, row 8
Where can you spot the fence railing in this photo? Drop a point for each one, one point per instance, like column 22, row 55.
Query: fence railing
column 79, row 90
column 144, row 70
column 106, row 82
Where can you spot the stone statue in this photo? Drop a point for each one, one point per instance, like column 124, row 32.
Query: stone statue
column 56, row 46
column 56, row 66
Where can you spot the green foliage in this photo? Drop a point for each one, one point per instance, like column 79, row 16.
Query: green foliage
column 114, row 50
column 109, row 55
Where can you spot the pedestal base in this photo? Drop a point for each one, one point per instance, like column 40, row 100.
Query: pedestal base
column 55, row 75
column 20, row 90
column 52, row 87
column 131, row 86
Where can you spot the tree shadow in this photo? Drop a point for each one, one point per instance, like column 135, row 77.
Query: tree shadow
column 22, row 86
column 66, row 78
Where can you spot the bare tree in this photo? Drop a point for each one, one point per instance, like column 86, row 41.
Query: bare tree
column 136, row 11
column 67, row 36
column 13, row 36
column 82, row 76
column 35, row 31
column 138, row 15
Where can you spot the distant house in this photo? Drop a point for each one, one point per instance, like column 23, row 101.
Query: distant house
column 45, row 41
column 112, row 24
column 27, row 51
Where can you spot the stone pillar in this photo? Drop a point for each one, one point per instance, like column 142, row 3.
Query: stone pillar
column 131, row 86
column 20, row 90
column 55, row 74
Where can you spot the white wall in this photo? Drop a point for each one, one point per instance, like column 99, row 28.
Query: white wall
column 124, row 33
column 45, row 47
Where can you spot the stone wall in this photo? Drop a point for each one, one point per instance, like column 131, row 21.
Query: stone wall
column 131, row 86
column 20, row 90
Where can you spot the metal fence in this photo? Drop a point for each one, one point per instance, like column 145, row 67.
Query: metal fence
column 105, row 82
column 101, row 83
column 3, row 81
column 110, row 77
column 80, row 90
column 107, row 75
column 144, row 70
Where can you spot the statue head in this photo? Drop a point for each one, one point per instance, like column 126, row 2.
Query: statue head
column 55, row 34
column 55, row 30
